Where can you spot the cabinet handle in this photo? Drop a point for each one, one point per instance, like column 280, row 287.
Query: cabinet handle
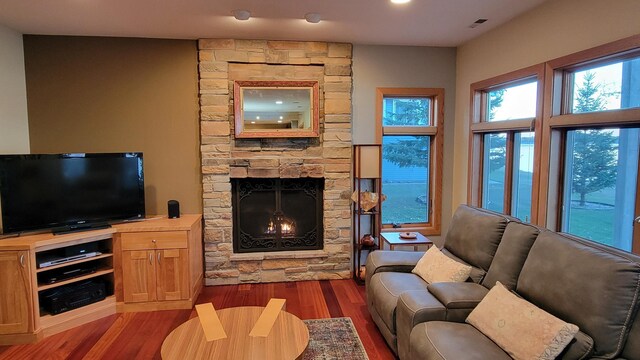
column 22, row 260
column 159, row 253
column 150, row 258
column 153, row 241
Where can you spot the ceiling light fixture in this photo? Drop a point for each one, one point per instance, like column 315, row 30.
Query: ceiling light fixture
column 313, row 18
column 400, row 1
column 257, row 117
column 241, row 14
column 279, row 102
column 281, row 117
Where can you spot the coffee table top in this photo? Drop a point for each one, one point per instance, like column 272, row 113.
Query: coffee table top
column 288, row 339
column 393, row 238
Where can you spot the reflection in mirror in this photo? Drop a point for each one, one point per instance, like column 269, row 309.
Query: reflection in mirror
column 276, row 109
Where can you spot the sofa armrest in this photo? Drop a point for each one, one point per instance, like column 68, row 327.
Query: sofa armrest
column 415, row 307
column 392, row 261
column 462, row 295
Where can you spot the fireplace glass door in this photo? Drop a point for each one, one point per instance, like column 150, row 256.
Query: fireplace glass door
column 277, row 214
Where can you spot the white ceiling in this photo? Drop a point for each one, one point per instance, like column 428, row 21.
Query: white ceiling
column 420, row 22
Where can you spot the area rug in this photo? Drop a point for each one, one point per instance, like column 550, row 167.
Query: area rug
column 333, row 339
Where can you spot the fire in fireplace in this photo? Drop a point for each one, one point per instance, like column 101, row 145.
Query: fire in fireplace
column 277, row 214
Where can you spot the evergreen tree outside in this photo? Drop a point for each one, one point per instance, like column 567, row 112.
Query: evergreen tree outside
column 594, row 165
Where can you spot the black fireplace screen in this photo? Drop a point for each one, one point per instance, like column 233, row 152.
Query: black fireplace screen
column 277, row 214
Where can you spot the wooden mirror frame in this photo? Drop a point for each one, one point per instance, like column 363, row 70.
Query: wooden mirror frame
column 242, row 133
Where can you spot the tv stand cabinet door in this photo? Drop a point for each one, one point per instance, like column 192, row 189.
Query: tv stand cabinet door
column 139, row 276
column 15, row 293
column 173, row 276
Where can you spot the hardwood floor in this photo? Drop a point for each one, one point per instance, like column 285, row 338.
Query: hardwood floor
column 140, row 335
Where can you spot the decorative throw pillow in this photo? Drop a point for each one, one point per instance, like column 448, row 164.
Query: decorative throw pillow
column 436, row 267
column 520, row 328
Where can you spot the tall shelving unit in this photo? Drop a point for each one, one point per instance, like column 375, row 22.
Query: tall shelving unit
column 366, row 177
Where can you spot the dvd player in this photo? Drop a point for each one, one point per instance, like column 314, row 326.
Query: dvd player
column 56, row 260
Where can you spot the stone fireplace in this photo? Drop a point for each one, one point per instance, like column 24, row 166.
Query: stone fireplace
column 226, row 160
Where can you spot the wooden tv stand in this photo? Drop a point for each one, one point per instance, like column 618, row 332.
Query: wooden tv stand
column 156, row 264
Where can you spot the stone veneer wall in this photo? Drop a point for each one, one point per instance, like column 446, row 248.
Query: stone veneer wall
column 221, row 61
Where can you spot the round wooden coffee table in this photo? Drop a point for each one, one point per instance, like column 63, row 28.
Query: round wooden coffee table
column 288, row 339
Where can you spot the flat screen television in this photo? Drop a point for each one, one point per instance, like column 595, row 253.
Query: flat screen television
column 67, row 192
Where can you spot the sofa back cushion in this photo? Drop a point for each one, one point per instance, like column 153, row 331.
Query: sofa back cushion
column 474, row 235
column 511, row 255
column 632, row 346
column 593, row 286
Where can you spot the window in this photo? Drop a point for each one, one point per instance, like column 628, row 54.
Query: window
column 594, row 144
column 410, row 131
column 506, row 110
column 565, row 155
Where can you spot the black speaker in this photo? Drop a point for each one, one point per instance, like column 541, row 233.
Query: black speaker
column 174, row 209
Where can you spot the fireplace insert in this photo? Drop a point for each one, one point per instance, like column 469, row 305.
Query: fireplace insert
column 277, row 214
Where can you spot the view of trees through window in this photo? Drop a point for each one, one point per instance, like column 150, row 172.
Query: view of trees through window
column 405, row 162
column 600, row 165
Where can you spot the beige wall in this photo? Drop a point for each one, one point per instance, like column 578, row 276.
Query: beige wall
column 405, row 66
column 556, row 28
column 14, row 127
column 89, row 94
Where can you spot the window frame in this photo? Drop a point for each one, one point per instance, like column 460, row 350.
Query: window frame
column 435, row 131
column 480, row 126
column 554, row 118
column 558, row 119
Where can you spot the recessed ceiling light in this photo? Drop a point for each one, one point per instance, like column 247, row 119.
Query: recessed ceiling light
column 313, row 18
column 241, row 14
column 257, row 117
column 279, row 121
column 279, row 102
column 281, row 117
column 400, row 1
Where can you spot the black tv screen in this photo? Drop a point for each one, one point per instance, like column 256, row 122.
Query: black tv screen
column 69, row 190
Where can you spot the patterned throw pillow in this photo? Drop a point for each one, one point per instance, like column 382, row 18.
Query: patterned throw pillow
column 436, row 267
column 520, row 328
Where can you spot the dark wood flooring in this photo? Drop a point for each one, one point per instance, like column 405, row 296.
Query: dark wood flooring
column 140, row 335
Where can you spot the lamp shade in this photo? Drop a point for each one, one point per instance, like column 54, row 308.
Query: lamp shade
column 367, row 161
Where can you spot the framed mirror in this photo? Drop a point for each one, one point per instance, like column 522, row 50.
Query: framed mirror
column 276, row 109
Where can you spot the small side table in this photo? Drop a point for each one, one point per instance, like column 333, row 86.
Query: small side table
column 393, row 239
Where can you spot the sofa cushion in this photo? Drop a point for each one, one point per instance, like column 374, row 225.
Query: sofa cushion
column 434, row 267
column 386, row 287
column 632, row 346
column 474, row 235
column 452, row 341
column 458, row 295
column 581, row 347
column 511, row 255
column 593, row 286
column 476, row 275
column 520, row 328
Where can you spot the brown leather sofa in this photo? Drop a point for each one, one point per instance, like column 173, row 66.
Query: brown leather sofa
column 592, row 286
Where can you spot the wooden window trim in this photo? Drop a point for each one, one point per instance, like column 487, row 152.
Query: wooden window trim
column 436, row 131
column 556, row 119
column 478, row 127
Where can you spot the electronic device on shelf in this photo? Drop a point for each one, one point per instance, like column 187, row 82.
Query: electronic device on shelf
column 67, row 254
column 72, row 296
column 54, row 260
column 70, row 192
column 66, row 273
